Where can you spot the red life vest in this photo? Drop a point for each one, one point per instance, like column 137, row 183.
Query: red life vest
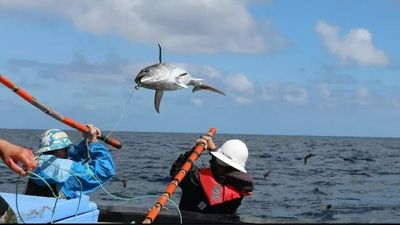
column 217, row 193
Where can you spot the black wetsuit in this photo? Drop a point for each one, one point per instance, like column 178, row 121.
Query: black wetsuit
column 193, row 196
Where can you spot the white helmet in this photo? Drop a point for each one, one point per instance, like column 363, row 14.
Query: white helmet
column 234, row 153
column 53, row 139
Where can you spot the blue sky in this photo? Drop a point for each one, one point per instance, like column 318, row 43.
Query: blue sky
column 287, row 67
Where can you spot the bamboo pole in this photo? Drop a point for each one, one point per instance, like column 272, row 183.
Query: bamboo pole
column 171, row 187
column 66, row 120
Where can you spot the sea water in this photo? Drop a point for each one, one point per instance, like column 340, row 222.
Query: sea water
column 350, row 179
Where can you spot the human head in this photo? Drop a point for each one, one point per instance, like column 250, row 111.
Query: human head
column 53, row 140
column 233, row 153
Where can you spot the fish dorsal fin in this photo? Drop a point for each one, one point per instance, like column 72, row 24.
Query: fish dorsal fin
column 159, row 53
column 157, row 99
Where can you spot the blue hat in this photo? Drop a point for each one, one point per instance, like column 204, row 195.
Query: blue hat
column 53, row 139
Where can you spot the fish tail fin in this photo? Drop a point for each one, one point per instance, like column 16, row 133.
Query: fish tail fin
column 196, row 82
column 206, row 87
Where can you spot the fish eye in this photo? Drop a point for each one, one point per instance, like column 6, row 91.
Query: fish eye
column 145, row 71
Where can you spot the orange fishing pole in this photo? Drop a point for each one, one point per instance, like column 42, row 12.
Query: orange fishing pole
column 66, row 120
column 170, row 189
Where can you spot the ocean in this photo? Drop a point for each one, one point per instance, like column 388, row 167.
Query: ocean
column 349, row 180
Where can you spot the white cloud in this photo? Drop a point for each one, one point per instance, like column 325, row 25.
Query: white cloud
column 240, row 83
column 325, row 90
column 243, row 100
column 90, row 107
column 328, row 98
column 197, row 102
column 181, row 26
column 258, row 1
column 362, row 96
column 79, row 70
column 201, row 71
column 396, row 103
column 281, row 92
column 270, row 91
column 362, row 92
column 296, row 95
column 355, row 47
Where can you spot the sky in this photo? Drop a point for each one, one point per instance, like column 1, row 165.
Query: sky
column 310, row 67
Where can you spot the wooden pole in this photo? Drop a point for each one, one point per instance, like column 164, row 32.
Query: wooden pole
column 171, row 187
column 66, row 120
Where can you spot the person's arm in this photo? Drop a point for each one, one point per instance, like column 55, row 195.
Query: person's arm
column 205, row 140
column 91, row 174
column 176, row 166
column 80, row 151
column 191, row 178
column 11, row 154
column 100, row 162
column 77, row 176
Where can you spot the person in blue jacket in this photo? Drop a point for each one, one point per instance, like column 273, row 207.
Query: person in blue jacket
column 70, row 169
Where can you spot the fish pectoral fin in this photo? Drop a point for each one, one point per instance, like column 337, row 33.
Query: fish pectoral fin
column 178, row 81
column 157, row 99
column 206, row 87
column 181, row 84
column 183, row 74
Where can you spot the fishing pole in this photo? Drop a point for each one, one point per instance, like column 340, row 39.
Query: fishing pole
column 170, row 189
column 66, row 120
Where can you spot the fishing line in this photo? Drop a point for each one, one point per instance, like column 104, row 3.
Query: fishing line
column 87, row 172
column 16, row 196
column 134, row 198
column 90, row 172
column 54, row 211
column 38, row 177
column 80, row 184
column 54, row 195
column 121, row 116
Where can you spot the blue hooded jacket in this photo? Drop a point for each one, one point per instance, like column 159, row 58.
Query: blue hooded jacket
column 75, row 176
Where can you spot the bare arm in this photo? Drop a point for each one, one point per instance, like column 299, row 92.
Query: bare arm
column 11, row 154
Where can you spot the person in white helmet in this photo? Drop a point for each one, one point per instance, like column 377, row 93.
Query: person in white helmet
column 219, row 188
column 70, row 169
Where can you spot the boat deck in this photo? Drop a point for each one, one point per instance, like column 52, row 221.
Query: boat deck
column 127, row 214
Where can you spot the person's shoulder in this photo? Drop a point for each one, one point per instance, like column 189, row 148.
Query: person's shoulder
column 96, row 143
column 43, row 157
column 45, row 160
